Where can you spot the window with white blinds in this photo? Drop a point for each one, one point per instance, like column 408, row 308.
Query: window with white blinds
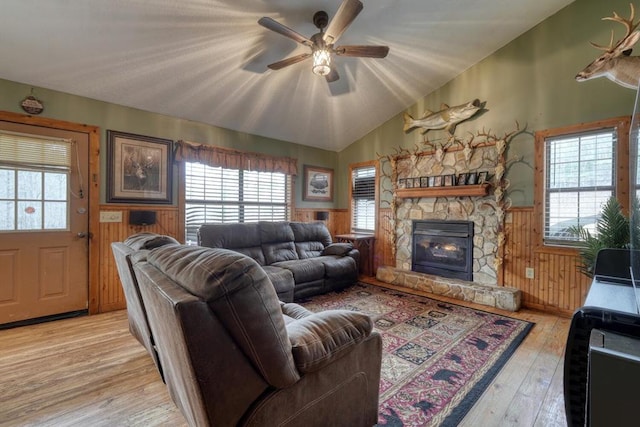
column 218, row 195
column 34, row 172
column 579, row 179
column 363, row 199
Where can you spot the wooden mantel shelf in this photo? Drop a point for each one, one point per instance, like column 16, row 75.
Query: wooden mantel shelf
column 449, row 191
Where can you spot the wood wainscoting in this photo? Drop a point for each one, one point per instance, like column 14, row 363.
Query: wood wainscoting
column 557, row 287
column 111, row 295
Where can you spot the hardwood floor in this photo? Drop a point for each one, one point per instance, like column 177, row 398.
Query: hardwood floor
column 91, row 371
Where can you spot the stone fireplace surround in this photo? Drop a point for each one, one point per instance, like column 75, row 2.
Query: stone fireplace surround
column 485, row 211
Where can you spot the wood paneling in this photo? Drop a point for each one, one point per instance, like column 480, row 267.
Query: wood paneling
column 337, row 223
column 111, row 296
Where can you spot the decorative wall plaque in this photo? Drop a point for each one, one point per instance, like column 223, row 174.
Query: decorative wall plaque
column 32, row 105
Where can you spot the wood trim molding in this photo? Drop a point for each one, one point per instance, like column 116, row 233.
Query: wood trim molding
column 93, row 185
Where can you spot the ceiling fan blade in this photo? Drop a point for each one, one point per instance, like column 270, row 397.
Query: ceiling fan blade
column 274, row 25
column 345, row 15
column 332, row 76
column 288, row 61
column 363, row 51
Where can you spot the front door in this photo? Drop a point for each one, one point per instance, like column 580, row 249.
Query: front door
column 44, row 224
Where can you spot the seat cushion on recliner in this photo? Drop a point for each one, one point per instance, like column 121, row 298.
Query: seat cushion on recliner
column 321, row 338
column 239, row 293
column 304, row 270
column 149, row 241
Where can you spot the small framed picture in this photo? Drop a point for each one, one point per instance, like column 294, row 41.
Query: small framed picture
column 462, row 179
column 483, row 177
column 409, row 183
column 448, row 180
column 424, row 181
column 437, row 181
column 472, row 178
column 432, row 181
column 402, row 183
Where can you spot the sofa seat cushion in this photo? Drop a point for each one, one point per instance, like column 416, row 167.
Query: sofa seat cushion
column 304, row 270
column 339, row 266
column 320, row 338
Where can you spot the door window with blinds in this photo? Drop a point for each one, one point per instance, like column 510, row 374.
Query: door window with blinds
column 363, row 199
column 219, row 195
column 580, row 176
column 34, row 172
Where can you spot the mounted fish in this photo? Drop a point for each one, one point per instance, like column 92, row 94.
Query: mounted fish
column 447, row 118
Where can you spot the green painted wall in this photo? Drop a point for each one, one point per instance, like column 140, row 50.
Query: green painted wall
column 530, row 80
column 63, row 106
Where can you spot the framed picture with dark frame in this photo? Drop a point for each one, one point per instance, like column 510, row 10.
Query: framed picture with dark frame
column 139, row 168
column 409, row 183
column 462, row 179
column 437, row 181
column 448, row 180
column 424, row 181
column 317, row 185
column 472, row 178
column 483, row 177
column 402, row 183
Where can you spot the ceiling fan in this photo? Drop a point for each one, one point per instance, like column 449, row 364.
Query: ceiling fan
column 322, row 43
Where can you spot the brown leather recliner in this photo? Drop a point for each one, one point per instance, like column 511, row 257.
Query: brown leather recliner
column 136, row 313
column 233, row 354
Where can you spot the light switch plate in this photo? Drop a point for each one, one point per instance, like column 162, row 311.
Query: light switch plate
column 110, row 216
column 529, row 273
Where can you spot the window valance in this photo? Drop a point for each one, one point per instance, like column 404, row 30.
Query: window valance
column 234, row 159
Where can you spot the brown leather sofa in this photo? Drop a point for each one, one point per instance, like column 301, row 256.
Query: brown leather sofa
column 136, row 313
column 299, row 257
column 233, row 354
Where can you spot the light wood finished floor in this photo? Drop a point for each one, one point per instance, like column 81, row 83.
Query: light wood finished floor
column 91, row 371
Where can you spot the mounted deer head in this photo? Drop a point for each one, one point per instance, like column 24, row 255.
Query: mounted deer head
column 615, row 63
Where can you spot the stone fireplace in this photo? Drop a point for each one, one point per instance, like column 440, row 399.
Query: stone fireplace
column 443, row 248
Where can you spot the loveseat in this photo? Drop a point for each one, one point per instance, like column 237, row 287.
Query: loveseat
column 298, row 257
column 233, row 354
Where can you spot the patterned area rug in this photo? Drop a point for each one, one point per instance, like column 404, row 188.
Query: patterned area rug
column 438, row 357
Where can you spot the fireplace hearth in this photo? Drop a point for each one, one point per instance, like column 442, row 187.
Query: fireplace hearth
column 443, row 248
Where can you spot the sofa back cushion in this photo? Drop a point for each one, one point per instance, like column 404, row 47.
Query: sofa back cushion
column 241, row 237
column 240, row 294
column 277, row 242
column 310, row 238
column 146, row 240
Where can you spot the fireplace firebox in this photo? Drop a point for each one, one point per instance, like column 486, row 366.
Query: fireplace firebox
column 443, row 248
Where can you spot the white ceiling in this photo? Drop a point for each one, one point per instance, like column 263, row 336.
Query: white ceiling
column 205, row 60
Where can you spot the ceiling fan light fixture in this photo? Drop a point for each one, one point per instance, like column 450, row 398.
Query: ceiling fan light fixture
column 321, row 62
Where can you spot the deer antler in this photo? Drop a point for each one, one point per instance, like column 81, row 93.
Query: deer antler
column 628, row 24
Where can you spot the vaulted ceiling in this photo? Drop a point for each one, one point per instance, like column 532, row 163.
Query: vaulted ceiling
column 206, row 60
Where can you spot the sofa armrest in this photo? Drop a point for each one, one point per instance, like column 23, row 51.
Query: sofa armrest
column 321, row 338
column 340, row 249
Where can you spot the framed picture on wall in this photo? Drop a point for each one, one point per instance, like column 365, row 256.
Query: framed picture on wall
column 483, row 177
column 138, row 168
column 462, row 179
column 317, row 184
column 424, row 181
column 402, row 183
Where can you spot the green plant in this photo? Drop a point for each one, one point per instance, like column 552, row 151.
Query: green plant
column 612, row 231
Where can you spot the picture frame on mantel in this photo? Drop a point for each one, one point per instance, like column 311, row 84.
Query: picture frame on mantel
column 139, row 169
column 317, row 185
